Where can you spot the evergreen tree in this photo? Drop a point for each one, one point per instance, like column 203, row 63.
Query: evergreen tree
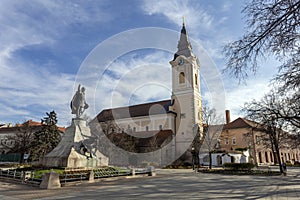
column 46, row 139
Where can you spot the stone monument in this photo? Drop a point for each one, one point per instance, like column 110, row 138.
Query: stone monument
column 77, row 148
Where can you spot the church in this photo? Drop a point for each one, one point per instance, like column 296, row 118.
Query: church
column 173, row 123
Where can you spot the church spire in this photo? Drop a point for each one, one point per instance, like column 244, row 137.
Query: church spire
column 184, row 46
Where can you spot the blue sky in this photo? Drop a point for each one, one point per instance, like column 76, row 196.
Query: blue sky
column 43, row 45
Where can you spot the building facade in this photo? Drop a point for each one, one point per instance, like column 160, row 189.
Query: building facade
column 179, row 116
column 25, row 132
column 243, row 134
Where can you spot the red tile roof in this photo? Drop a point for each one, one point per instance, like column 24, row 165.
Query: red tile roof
column 153, row 108
column 240, row 123
column 30, row 123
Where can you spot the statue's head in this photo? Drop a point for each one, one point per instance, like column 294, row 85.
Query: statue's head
column 82, row 89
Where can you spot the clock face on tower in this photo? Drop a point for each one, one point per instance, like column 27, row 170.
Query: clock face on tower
column 181, row 61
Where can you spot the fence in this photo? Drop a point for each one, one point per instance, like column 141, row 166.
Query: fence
column 10, row 157
column 71, row 176
column 22, row 176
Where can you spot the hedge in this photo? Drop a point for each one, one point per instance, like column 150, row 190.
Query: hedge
column 239, row 166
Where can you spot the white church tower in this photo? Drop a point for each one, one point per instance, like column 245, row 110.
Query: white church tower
column 186, row 94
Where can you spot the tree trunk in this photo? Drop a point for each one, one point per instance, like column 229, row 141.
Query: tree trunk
column 210, row 160
column 278, row 158
column 274, row 152
column 22, row 158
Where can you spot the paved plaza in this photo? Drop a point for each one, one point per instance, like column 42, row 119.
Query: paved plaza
column 168, row 184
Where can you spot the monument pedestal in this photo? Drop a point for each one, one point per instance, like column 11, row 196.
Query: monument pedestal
column 76, row 149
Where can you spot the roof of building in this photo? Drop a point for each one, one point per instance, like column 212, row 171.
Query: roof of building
column 240, row 123
column 153, row 108
column 30, row 123
column 184, row 46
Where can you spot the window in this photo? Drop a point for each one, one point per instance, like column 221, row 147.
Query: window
column 196, row 79
column 234, row 141
column 266, row 157
column 182, row 115
column 147, row 128
column 271, row 157
column 257, row 139
column 259, row 157
column 181, row 77
column 134, row 129
column 226, row 141
column 246, row 138
column 160, row 127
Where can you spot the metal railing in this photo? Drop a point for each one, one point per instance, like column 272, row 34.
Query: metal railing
column 22, row 176
column 71, row 176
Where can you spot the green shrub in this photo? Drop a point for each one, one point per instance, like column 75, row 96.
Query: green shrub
column 241, row 149
column 239, row 166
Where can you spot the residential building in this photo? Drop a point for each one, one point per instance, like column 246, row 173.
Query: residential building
column 243, row 134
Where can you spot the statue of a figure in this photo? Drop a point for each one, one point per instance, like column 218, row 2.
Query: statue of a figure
column 78, row 103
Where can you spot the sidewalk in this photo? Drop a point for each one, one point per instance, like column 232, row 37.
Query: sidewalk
column 168, row 184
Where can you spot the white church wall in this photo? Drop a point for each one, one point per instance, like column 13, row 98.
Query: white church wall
column 146, row 123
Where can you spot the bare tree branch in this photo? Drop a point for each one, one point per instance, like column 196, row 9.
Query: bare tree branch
column 274, row 29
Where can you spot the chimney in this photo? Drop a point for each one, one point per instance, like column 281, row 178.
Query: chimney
column 227, row 114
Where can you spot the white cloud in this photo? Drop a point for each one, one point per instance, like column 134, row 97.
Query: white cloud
column 136, row 80
column 205, row 24
column 212, row 26
column 26, row 88
column 33, row 22
column 237, row 97
column 195, row 15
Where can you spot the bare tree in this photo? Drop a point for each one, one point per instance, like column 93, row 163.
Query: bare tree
column 264, row 112
column 273, row 29
column 289, row 75
column 21, row 141
column 211, row 131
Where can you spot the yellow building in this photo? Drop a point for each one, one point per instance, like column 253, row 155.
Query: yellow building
column 245, row 134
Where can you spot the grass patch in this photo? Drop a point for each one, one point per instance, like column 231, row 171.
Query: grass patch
column 39, row 173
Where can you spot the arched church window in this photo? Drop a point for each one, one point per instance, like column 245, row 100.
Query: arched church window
column 181, row 77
